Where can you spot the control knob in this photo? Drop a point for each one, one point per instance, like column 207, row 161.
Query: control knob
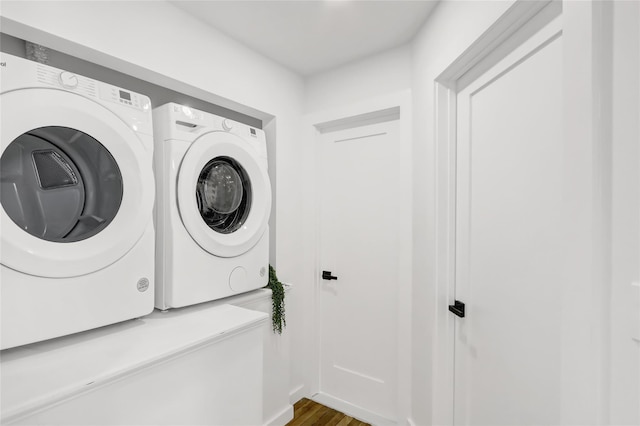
column 227, row 124
column 68, row 80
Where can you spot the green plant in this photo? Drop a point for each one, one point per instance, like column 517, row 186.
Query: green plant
column 278, row 320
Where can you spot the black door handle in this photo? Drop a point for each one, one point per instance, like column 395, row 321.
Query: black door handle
column 326, row 275
column 457, row 308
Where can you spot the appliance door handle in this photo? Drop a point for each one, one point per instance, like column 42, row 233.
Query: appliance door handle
column 326, row 275
column 457, row 308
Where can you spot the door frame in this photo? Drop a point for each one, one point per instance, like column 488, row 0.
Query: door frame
column 585, row 324
column 361, row 113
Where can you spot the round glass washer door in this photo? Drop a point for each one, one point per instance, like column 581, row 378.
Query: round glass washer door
column 224, row 194
column 77, row 185
column 59, row 184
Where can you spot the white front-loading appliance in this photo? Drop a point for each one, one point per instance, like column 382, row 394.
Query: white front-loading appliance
column 77, row 240
column 213, row 205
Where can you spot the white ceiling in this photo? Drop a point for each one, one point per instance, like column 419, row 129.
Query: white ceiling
column 313, row 36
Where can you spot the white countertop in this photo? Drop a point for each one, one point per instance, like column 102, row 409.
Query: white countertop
column 44, row 372
column 248, row 297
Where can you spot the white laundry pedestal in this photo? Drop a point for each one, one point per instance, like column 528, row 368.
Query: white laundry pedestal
column 277, row 407
column 197, row 365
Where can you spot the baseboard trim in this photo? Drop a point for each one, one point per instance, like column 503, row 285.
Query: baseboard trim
column 297, row 394
column 352, row 410
column 282, row 418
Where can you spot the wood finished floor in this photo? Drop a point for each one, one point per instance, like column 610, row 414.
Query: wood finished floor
column 307, row 413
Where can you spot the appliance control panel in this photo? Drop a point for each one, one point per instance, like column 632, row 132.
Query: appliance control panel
column 124, row 97
column 91, row 88
column 66, row 80
column 187, row 123
column 188, row 113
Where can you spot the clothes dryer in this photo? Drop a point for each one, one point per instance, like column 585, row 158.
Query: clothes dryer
column 77, row 203
column 213, row 205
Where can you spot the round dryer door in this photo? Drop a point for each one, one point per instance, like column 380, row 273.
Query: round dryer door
column 77, row 186
column 224, row 195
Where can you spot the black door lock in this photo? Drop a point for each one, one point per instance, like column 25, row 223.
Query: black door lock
column 326, row 275
column 457, row 308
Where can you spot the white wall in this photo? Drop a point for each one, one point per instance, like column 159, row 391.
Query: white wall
column 387, row 72
column 451, row 28
column 158, row 42
column 625, row 300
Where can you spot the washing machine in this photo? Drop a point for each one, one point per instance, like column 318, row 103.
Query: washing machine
column 77, row 193
column 213, row 205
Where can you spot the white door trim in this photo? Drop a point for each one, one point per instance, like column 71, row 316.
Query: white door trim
column 584, row 358
column 378, row 108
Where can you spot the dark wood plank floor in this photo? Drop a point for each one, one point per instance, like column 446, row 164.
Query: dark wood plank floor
column 307, row 413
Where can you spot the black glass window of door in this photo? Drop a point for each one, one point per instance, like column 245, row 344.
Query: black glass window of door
column 60, row 184
column 223, row 194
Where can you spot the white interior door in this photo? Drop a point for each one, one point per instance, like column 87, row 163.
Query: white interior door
column 509, row 245
column 360, row 208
